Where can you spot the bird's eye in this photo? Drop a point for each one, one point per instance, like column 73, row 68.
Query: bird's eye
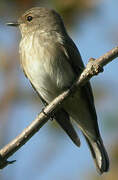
column 29, row 18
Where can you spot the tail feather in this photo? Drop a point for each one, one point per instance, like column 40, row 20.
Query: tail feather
column 99, row 154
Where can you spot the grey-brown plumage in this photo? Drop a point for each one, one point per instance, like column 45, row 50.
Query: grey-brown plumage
column 51, row 61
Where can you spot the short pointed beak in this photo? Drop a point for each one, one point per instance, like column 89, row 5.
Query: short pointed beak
column 13, row 24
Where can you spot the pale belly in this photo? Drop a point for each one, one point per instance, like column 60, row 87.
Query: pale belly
column 46, row 67
column 49, row 80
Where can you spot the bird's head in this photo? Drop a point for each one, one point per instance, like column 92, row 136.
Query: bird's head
column 41, row 19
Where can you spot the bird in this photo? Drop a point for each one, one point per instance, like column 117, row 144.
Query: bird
column 52, row 62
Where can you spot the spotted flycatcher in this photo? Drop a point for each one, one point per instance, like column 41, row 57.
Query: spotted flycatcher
column 52, row 62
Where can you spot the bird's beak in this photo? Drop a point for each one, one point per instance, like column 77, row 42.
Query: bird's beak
column 13, row 24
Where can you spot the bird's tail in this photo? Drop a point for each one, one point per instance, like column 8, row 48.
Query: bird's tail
column 99, row 154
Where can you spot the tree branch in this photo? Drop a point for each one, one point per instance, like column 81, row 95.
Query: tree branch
column 93, row 68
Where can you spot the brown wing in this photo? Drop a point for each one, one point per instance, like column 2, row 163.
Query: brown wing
column 75, row 60
column 96, row 145
column 63, row 120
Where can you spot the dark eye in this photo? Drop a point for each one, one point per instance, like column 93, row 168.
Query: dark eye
column 29, row 18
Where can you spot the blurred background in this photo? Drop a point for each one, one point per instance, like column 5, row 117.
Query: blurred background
column 50, row 154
